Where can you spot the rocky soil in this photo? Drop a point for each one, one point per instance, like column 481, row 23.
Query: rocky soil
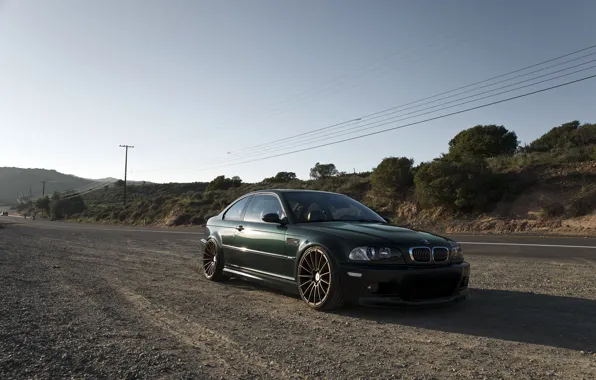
column 107, row 304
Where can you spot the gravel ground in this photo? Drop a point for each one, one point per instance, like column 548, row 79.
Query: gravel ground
column 106, row 304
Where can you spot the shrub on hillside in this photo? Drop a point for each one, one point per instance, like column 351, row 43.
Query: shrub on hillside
column 483, row 141
column 66, row 207
column 223, row 183
column 565, row 136
column 583, row 204
column 321, row 171
column 22, row 207
column 393, row 175
column 43, row 205
column 552, row 209
column 281, row 177
column 355, row 187
column 467, row 185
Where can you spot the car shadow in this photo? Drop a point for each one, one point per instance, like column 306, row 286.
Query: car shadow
column 556, row 321
column 549, row 320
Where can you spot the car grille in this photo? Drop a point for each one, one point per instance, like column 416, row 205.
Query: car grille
column 420, row 254
column 440, row 254
column 426, row 255
column 422, row 287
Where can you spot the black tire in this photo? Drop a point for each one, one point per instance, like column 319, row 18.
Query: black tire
column 319, row 281
column 212, row 261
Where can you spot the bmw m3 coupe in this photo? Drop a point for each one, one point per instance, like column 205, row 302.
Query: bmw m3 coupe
column 331, row 250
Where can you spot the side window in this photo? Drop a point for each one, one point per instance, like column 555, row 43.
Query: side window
column 235, row 212
column 260, row 205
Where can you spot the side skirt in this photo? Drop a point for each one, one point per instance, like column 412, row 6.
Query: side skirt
column 284, row 284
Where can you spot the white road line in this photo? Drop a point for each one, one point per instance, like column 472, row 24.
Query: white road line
column 529, row 245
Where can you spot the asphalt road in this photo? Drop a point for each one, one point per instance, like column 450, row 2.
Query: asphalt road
column 559, row 248
column 107, row 302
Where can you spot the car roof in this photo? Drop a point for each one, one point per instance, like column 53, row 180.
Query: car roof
column 281, row 191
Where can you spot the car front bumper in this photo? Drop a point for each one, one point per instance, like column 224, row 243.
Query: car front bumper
column 405, row 286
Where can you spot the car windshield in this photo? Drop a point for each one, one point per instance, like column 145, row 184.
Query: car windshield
column 326, row 207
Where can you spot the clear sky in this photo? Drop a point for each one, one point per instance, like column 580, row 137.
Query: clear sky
column 187, row 81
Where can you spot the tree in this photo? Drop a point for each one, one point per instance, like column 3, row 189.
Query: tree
column 565, row 136
column 483, row 141
column 467, row 185
column 223, row 183
column 393, row 175
column 43, row 204
column 64, row 207
column 236, row 181
column 320, row 171
column 282, row 177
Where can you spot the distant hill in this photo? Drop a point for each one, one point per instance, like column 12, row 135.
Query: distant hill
column 17, row 180
column 112, row 179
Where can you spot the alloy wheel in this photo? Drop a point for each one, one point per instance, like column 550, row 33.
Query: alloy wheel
column 314, row 276
column 210, row 259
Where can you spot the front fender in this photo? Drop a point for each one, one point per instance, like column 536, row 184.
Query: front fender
column 336, row 249
column 209, row 235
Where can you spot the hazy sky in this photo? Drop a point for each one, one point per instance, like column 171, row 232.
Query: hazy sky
column 187, row 81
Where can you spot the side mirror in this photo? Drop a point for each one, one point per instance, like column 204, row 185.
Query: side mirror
column 272, row 218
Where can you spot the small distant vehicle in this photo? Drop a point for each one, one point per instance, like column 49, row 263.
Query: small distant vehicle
column 331, row 250
column 4, row 213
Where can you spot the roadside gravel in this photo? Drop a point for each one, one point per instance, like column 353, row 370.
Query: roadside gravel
column 106, row 304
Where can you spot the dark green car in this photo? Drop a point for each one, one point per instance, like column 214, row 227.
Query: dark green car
column 331, row 250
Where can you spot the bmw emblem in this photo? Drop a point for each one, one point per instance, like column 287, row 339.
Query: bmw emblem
column 424, row 241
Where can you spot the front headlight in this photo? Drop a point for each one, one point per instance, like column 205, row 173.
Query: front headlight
column 457, row 256
column 375, row 254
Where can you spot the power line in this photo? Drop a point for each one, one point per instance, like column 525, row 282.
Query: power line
column 410, row 124
column 349, row 87
column 75, row 191
column 359, row 127
column 90, row 190
column 429, row 97
column 358, row 121
column 418, row 113
column 308, row 94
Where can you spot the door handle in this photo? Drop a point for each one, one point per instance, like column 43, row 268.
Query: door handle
column 239, row 228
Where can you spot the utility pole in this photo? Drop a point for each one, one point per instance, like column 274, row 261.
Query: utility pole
column 125, row 167
column 43, row 189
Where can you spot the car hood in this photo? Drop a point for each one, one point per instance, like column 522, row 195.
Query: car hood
column 376, row 233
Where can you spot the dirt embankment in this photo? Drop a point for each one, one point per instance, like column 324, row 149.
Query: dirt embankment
column 560, row 201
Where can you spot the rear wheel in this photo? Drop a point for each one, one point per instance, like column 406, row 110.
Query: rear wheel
column 318, row 280
column 212, row 261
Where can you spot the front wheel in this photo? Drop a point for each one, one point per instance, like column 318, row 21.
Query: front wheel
column 212, row 261
column 318, row 280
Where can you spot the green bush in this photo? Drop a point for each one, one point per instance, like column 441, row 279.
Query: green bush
column 355, row 187
column 281, row 177
column 393, row 175
column 583, row 204
column 223, row 183
column 458, row 185
column 483, row 141
column 565, row 136
column 552, row 209
column 320, row 171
